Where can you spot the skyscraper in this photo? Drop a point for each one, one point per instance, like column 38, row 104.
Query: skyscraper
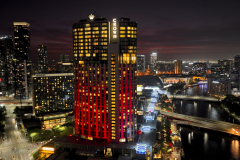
column 105, row 78
column 6, row 66
column 141, row 63
column 153, row 59
column 178, row 66
column 42, row 59
column 64, row 58
column 22, row 63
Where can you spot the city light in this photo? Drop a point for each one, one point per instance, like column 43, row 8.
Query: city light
column 145, row 128
column 141, row 148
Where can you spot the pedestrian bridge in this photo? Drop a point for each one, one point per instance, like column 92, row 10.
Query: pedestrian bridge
column 206, row 123
column 194, row 98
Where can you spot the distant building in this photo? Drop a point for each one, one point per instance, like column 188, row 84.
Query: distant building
column 165, row 67
column 225, row 65
column 199, row 68
column 22, row 63
column 42, row 59
column 178, row 67
column 219, row 87
column 64, row 67
column 52, row 97
column 6, row 65
column 237, row 62
column 153, row 59
column 141, row 63
column 64, row 58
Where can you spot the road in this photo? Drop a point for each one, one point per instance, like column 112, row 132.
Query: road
column 15, row 139
column 221, row 126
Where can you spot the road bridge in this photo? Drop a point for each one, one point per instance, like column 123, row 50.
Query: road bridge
column 194, row 98
column 15, row 101
column 206, row 123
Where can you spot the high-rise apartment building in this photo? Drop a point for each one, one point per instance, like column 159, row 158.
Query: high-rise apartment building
column 153, row 59
column 22, row 63
column 6, row 65
column 178, row 67
column 64, row 58
column 105, row 78
column 52, row 97
column 42, row 59
column 141, row 63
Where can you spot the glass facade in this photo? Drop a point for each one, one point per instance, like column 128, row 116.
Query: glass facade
column 6, row 65
column 42, row 59
column 22, row 63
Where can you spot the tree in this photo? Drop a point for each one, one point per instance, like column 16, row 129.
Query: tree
column 36, row 155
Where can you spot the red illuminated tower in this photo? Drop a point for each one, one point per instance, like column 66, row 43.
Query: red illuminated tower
column 105, row 78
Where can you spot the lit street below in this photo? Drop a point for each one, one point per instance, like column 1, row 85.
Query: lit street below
column 15, row 145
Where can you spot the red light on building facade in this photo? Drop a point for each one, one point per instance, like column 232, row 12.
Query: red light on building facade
column 139, row 132
column 105, row 80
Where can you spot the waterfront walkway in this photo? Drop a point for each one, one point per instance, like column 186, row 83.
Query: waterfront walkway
column 194, row 98
column 206, row 123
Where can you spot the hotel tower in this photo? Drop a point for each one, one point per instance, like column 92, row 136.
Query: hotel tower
column 105, row 78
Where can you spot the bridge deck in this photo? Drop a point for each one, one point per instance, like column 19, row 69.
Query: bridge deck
column 205, row 123
column 195, row 98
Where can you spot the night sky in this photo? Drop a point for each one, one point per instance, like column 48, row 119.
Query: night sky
column 180, row 29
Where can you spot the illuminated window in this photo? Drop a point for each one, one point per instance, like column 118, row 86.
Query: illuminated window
column 122, row 32
column 122, row 28
column 95, row 28
column 103, row 43
column 122, row 36
column 81, row 62
column 104, row 35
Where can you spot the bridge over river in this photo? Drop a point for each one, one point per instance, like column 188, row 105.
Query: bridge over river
column 206, row 123
column 194, row 98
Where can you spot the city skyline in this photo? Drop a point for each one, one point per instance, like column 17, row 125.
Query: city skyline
column 166, row 28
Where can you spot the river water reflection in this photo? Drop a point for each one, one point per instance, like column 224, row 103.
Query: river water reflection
column 204, row 144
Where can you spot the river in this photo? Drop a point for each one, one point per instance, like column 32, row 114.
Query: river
column 204, row 144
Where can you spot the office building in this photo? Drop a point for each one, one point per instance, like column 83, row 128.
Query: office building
column 105, row 78
column 52, row 97
column 153, row 59
column 64, row 58
column 42, row 59
column 6, row 65
column 141, row 63
column 178, row 67
column 22, row 63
